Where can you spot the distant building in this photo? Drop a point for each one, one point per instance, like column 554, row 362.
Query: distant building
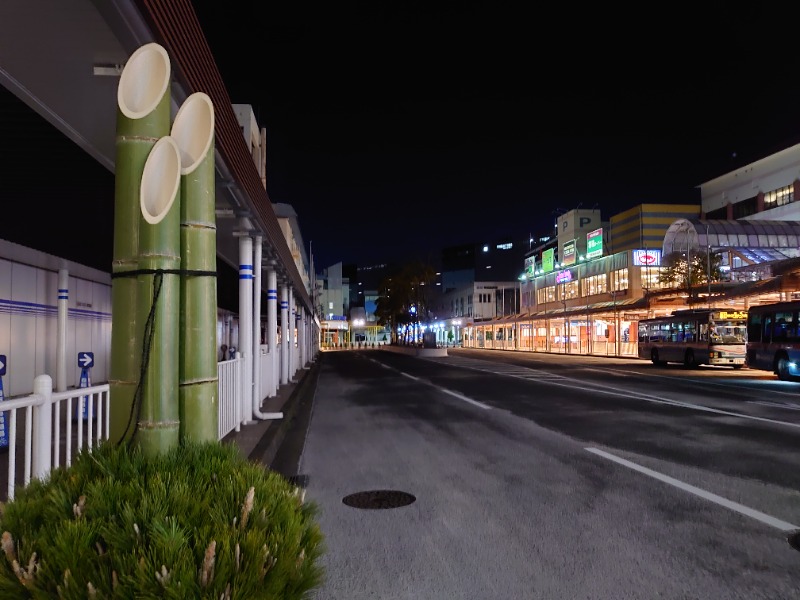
column 645, row 225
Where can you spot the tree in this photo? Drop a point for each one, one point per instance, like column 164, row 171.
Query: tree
column 676, row 273
column 403, row 298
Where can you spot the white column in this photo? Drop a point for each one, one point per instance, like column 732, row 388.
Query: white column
column 284, row 334
column 272, row 330
column 257, row 326
column 246, row 325
column 292, row 325
column 63, row 315
column 302, row 341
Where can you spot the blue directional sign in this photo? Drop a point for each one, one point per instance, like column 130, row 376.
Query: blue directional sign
column 3, row 363
column 82, row 410
column 85, row 360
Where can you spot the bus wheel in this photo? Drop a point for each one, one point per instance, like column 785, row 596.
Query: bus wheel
column 782, row 368
column 654, row 357
column 688, row 359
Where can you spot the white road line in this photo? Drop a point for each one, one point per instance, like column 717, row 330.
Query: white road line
column 441, row 389
column 774, row 404
column 464, row 398
column 735, row 506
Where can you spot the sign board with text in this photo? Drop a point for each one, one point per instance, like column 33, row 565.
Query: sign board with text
column 647, row 258
column 594, row 243
column 568, row 253
column 530, row 267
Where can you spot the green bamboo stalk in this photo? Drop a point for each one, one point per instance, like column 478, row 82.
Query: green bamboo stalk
column 193, row 131
column 143, row 116
column 158, row 298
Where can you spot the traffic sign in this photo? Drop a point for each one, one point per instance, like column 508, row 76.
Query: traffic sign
column 85, row 360
column 3, row 363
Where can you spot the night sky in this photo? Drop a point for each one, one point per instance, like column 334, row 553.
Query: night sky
column 395, row 129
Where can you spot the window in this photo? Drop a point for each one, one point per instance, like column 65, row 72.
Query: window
column 569, row 290
column 754, row 328
column 619, row 280
column 650, row 276
column 546, row 295
column 596, row 284
column 779, row 197
column 783, row 330
column 745, row 208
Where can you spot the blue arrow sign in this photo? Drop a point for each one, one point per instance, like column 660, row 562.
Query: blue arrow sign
column 85, row 360
column 3, row 363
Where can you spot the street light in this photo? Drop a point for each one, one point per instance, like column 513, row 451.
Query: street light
column 708, row 258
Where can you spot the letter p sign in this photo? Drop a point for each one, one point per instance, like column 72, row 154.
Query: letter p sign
column 584, row 221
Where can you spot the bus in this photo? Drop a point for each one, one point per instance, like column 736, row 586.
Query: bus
column 773, row 339
column 697, row 336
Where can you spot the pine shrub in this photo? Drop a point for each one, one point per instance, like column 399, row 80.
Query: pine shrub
column 198, row 522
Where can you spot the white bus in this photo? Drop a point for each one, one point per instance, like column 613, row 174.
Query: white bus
column 698, row 336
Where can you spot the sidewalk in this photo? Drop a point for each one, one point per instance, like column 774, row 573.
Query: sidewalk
column 261, row 439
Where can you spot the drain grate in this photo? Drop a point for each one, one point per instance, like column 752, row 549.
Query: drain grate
column 794, row 539
column 378, row 499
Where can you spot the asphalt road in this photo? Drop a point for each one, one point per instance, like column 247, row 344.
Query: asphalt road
column 552, row 477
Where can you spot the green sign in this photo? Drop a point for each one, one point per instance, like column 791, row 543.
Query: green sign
column 594, row 243
column 548, row 260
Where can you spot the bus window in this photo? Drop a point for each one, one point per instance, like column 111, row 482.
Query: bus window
column 767, row 329
column 703, row 337
column 690, row 330
column 754, row 328
column 782, row 327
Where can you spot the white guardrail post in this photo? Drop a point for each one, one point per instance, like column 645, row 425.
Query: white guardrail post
column 42, row 426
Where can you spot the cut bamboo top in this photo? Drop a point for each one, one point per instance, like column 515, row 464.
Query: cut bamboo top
column 144, row 81
column 160, row 180
column 193, row 130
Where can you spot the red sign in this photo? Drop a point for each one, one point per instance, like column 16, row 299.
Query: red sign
column 646, row 258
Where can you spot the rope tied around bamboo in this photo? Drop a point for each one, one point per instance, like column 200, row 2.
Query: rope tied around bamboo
column 149, row 332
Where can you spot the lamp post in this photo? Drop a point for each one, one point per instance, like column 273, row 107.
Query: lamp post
column 566, row 322
column 708, row 259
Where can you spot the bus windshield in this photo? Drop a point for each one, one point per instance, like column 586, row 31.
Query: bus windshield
column 728, row 332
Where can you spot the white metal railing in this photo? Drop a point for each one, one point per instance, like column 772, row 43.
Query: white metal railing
column 56, row 429
column 49, row 424
column 229, row 378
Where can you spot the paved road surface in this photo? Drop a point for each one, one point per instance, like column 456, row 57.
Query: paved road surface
column 549, row 477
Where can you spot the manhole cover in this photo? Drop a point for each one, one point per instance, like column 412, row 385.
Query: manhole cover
column 378, row 499
column 794, row 539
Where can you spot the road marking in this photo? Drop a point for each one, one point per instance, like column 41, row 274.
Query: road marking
column 441, row 389
column 462, row 397
column 735, row 506
column 608, row 390
column 786, row 405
